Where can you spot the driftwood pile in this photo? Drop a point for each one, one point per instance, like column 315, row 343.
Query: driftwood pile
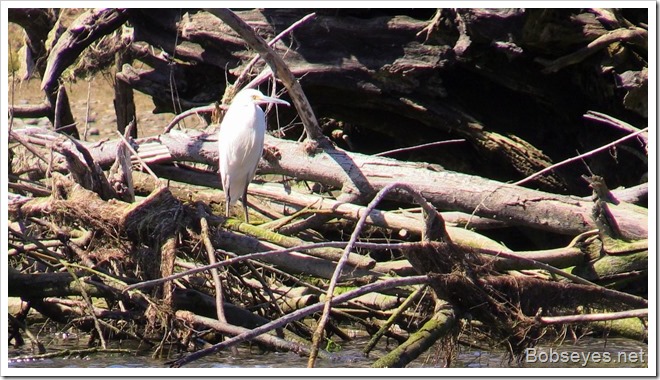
column 100, row 241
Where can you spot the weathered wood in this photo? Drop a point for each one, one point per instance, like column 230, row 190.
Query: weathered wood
column 332, row 254
column 42, row 285
column 401, row 71
column 388, row 76
column 293, row 262
column 378, row 80
column 447, row 190
column 437, row 327
column 31, row 110
column 226, row 328
column 37, row 23
column 123, row 100
column 85, row 29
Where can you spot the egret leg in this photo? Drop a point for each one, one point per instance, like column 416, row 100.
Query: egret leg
column 227, row 202
column 244, row 201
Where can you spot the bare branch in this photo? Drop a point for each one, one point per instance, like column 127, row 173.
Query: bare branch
column 279, row 67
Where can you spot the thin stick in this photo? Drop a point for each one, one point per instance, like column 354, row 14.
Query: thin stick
column 595, row 317
column 388, row 152
column 144, row 164
column 243, row 76
column 609, row 120
column 393, row 318
column 318, row 334
column 278, row 66
column 629, row 298
column 251, row 256
column 316, row 340
column 210, row 250
column 217, row 283
column 300, row 313
column 193, row 111
column 88, row 302
column 15, row 136
column 581, row 156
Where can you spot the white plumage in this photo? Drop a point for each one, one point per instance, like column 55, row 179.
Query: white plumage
column 241, row 143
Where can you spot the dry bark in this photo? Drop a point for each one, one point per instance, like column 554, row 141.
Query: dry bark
column 37, row 23
column 407, row 72
column 445, row 189
column 400, row 77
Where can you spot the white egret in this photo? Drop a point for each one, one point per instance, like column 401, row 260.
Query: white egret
column 241, row 143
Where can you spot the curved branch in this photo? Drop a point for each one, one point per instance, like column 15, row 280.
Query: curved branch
column 300, row 313
column 278, row 66
column 84, row 30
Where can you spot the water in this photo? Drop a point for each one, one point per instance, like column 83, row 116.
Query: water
column 588, row 352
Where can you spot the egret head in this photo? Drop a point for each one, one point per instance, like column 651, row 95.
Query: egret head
column 251, row 95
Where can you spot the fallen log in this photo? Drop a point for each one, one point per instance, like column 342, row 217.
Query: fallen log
column 367, row 174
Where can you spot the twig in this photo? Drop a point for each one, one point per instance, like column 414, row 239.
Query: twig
column 581, row 156
column 578, row 280
column 595, row 317
column 144, row 164
column 229, row 329
column 88, row 303
column 278, row 66
column 619, row 124
column 393, row 318
column 316, row 340
column 15, row 136
column 435, row 143
column 244, row 74
column 52, row 255
column 375, row 287
column 251, row 256
column 193, row 111
column 241, row 78
column 210, row 250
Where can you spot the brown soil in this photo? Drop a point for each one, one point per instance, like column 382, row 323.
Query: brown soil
column 97, row 94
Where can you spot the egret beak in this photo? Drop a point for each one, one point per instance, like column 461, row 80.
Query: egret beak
column 267, row 99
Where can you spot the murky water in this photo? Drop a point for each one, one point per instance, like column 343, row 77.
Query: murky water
column 588, row 352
